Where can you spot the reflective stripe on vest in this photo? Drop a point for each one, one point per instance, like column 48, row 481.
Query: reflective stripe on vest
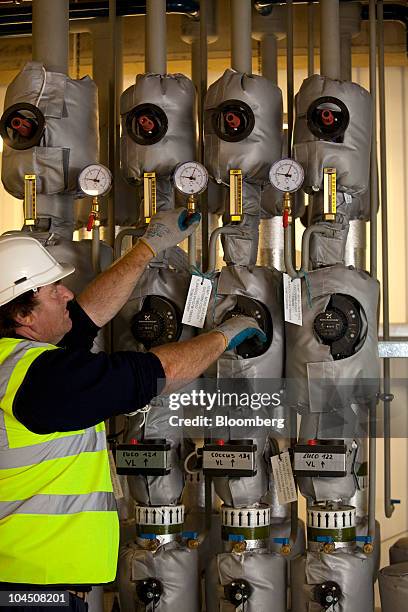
column 58, row 519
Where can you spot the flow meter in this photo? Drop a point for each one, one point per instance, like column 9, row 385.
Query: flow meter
column 286, row 175
column 190, row 178
column 95, row 180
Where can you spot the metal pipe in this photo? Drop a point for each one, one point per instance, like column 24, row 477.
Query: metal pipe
column 202, row 93
column 269, row 57
column 312, row 229
column 289, row 73
column 345, row 55
column 96, row 249
column 372, row 470
column 155, row 37
column 330, row 39
column 310, row 39
column 51, row 34
column 113, row 109
column 126, row 231
column 241, row 41
column 192, row 245
column 373, row 166
column 287, row 233
column 212, row 249
column 388, row 505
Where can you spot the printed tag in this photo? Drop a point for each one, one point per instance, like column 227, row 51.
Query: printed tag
column 292, row 297
column 347, row 198
column 199, row 294
column 283, row 476
column 117, row 487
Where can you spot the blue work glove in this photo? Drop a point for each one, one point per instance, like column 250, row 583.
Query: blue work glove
column 169, row 227
column 239, row 328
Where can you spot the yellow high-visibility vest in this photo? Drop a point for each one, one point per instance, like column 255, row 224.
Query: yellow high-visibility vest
column 58, row 518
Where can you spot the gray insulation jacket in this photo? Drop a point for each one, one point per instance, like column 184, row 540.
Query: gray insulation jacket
column 352, row 571
column 174, row 94
column 172, row 284
column 393, row 581
column 265, row 572
column 351, row 158
column 175, row 566
column 317, row 382
column 255, row 154
column 71, row 137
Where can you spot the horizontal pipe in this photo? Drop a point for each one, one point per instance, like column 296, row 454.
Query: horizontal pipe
column 17, row 20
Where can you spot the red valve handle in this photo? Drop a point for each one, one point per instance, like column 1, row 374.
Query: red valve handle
column 285, row 219
column 233, row 120
column 90, row 223
column 22, row 126
column 327, row 117
column 146, row 123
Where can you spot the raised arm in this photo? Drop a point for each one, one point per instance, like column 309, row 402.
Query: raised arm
column 104, row 297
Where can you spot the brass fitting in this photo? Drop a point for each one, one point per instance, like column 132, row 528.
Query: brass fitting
column 329, row 547
column 193, row 544
column 368, row 548
column 239, row 547
column 285, row 550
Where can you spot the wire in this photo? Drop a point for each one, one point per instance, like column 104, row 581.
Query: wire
column 145, row 410
column 186, row 460
column 42, row 87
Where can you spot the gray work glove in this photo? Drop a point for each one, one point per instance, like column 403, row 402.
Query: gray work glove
column 239, row 328
column 169, row 227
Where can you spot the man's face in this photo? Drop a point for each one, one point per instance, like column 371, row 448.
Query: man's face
column 50, row 319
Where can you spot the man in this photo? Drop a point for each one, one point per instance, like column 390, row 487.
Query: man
column 58, row 520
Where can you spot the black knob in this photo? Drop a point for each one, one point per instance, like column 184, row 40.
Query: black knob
column 327, row 594
column 149, row 590
column 238, row 591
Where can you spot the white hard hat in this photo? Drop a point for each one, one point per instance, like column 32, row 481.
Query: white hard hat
column 25, row 264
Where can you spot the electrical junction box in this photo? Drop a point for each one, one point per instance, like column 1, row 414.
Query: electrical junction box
column 151, row 459
column 328, row 460
column 230, row 459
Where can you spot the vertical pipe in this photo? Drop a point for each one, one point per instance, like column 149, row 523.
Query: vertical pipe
column 345, row 56
column 51, row 34
column 373, row 168
column 269, row 57
column 330, row 38
column 241, row 40
column 156, row 37
column 310, row 39
column 201, row 96
column 289, row 72
column 372, row 444
column 388, row 505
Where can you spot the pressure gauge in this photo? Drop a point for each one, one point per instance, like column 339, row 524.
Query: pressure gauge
column 95, row 180
column 286, row 175
column 190, row 178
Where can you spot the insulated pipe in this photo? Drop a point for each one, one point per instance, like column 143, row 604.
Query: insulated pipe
column 310, row 39
column 388, row 505
column 241, row 41
column 307, row 234
column 373, row 166
column 269, row 57
column 96, row 249
column 330, row 39
column 212, row 249
column 155, row 37
column 51, row 34
column 289, row 73
column 289, row 269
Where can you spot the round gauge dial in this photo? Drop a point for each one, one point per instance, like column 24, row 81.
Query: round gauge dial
column 190, row 178
column 95, row 180
column 286, row 175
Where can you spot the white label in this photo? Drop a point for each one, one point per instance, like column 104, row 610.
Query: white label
column 292, row 296
column 347, row 198
column 320, row 462
column 199, row 294
column 283, row 476
column 117, row 487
